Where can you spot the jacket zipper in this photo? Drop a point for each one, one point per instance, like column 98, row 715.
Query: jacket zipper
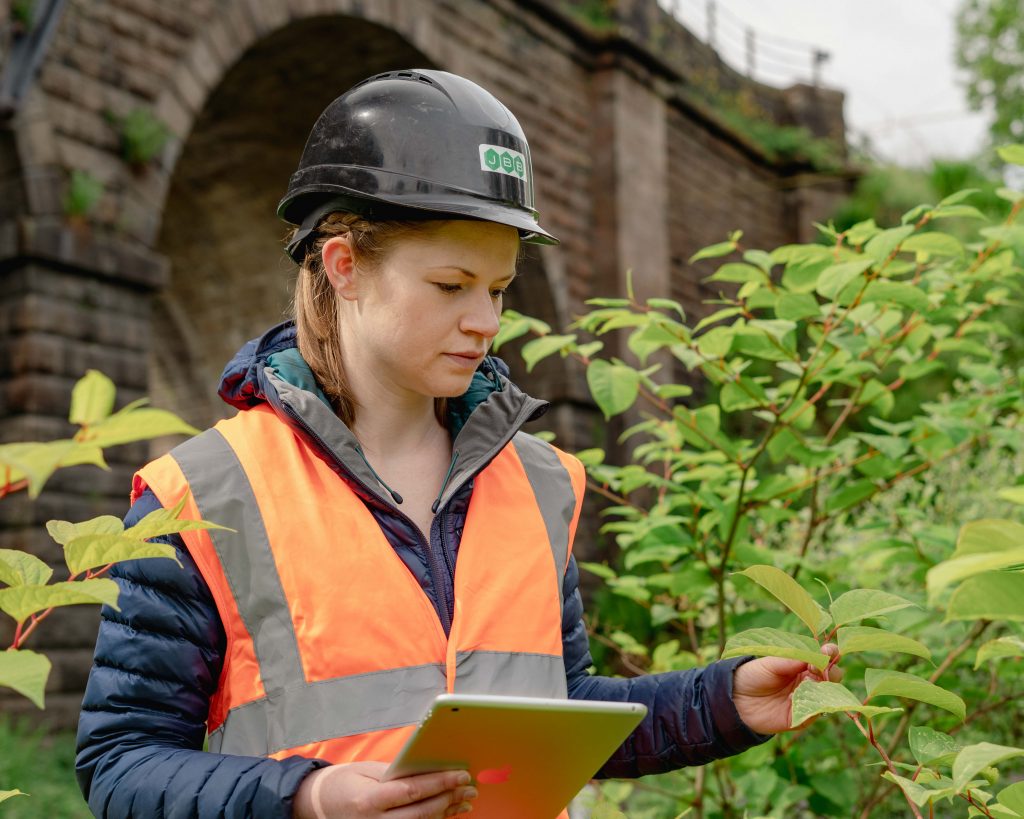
column 433, row 566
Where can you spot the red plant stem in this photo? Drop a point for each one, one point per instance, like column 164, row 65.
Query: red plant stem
column 869, row 734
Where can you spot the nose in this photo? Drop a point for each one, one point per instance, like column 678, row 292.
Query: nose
column 482, row 317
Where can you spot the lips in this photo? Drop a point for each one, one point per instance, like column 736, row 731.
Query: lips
column 469, row 360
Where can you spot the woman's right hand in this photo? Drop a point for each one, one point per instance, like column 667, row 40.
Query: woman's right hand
column 354, row 791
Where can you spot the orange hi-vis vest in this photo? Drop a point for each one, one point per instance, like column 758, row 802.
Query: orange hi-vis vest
column 333, row 649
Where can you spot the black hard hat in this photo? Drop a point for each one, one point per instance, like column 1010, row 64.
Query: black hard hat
column 416, row 144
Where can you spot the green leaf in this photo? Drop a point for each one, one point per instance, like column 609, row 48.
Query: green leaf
column 36, row 462
column 882, row 682
column 600, row 569
column 21, row 601
column 812, row 698
column 1014, row 154
column 958, row 212
column 771, row 642
column 92, row 398
column 1012, row 797
column 989, row 535
column 26, row 672
column 882, row 245
column 931, row 747
column 138, row 425
column 737, row 272
column 1013, row 494
column 166, row 522
column 999, row 649
column 959, row 568
column 540, row 348
column 861, row 232
column 835, row 278
column 850, row 495
column 889, row 445
column 715, row 343
column 905, row 295
column 741, row 395
column 509, row 331
column 19, row 568
column 854, row 639
column 860, row 604
column 92, row 551
column 797, row 306
column 5, row 795
column 917, row 793
column 992, row 596
column 934, row 244
column 791, row 594
column 1010, row 195
column 975, row 758
column 713, row 251
column 614, row 386
column 64, row 532
column 667, row 304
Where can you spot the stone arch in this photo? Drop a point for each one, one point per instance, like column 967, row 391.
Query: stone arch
column 229, row 277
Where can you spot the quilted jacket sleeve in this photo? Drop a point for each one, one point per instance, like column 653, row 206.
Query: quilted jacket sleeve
column 691, row 718
column 142, row 726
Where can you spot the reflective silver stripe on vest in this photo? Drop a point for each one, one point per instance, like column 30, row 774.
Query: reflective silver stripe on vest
column 516, row 674
column 345, row 706
column 295, row 713
column 552, row 489
column 223, row 494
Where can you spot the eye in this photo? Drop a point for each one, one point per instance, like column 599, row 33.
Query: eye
column 448, row 289
column 498, row 293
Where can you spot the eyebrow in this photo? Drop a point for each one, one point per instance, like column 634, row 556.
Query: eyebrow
column 469, row 273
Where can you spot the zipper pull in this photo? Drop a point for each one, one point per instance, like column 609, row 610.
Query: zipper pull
column 444, row 483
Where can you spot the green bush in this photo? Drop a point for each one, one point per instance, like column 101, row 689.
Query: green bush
column 785, row 467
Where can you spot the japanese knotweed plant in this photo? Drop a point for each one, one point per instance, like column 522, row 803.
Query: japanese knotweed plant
column 826, row 378
column 28, row 593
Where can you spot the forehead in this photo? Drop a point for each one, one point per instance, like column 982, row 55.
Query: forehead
column 479, row 247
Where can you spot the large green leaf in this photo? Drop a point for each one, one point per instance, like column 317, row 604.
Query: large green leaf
column 975, row 758
column 999, row 649
column 931, row 747
column 934, row 244
column 797, row 306
column 19, row 568
column 614, row 386
column 905, row 295
column 139, row 425
column 540, row 348
column 882, row 244
column 919, row 794
column 1014, row 154
column 166, row 522
column 854, row 639
column 860, row 604
column 92, row 398
column 64, row 531
column 36, row 462
column 791, row 594
column 1012, row 797
column 743, row 394
column 849, row 495
column 92, row 551
column 882, row 682
column 960, row 568
column 992, row 596
column 812, row 698
column 21, row 601
column 771, row 642
column 989, row 535
column 713, row 251
column 738, row 272
column 834, row 279
column 511, row 329
column 26, row 672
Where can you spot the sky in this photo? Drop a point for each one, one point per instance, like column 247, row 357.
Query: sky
column 893, row 59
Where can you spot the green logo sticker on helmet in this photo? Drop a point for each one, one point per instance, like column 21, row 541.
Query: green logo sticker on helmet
column 496, row 159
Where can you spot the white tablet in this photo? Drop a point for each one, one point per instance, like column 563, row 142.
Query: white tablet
column 528, row 756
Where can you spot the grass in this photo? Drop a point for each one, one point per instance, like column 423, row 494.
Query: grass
column 42, row 765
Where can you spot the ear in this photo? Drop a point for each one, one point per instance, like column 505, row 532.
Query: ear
column 340, row 266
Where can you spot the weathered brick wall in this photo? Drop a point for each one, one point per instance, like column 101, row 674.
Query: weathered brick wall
column 180, row 260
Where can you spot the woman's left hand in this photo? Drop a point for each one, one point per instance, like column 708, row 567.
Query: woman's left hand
column 762, row 689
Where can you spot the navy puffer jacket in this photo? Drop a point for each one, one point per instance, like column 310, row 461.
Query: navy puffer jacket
column 158, row 660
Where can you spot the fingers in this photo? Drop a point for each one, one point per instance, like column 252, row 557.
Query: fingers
column 448, row 803
column 422, row 788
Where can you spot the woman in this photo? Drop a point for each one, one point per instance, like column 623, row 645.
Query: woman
column 378, row 448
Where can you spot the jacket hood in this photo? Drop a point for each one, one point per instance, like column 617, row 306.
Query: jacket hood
column 244, row 382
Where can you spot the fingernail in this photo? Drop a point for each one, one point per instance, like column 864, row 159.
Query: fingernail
column 465, row 807
column 464, row 778
column 470, row 793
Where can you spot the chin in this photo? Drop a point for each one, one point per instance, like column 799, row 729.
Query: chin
column 449, row 388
